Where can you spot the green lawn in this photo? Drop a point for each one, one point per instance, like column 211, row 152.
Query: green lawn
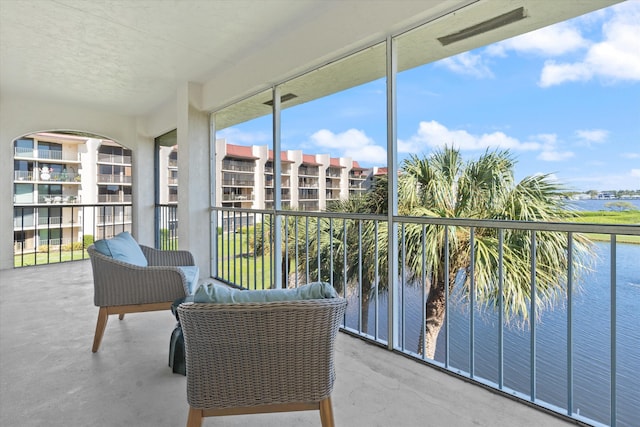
column 242, row 270
column 610, row 217
column 50, row 258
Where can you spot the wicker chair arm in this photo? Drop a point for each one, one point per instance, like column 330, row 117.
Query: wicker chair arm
column 120, row 283
column 157, row 257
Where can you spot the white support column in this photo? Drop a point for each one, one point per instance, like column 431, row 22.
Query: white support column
column 193, row 164
column 392, row 164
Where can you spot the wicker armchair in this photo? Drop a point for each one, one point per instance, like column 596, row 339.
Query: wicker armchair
column 248, row 358
column 121, row 288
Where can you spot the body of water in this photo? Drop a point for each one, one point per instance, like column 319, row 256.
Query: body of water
column 599, row 205
column 591, row 341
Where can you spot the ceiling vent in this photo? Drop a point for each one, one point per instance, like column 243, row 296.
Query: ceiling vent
column 284, row 98
column 488, row 25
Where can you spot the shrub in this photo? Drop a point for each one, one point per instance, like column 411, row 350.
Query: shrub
column 87, row 240
column 43, row 248
column 246, row 230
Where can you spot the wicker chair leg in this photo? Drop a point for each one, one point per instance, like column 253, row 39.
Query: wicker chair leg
column 121, row 316
column 326, row 413
column 101, row 324
column 195, row 418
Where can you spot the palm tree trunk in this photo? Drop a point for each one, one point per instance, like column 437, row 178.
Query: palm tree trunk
column 365, row 311
column 435, row 310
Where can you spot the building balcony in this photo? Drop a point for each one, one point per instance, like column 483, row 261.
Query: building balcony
column 128, row 381
column 238, row 183
column 114, row 159
column 113, row 179
column 52, row 156
column 237, row 166
column 31, row 176
column 549, row 359
column 114, row 198
column 237, row 197
column 305, row 171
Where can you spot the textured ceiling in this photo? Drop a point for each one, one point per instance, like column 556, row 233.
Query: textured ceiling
column 130, row 57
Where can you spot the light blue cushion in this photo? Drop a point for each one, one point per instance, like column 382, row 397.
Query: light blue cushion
column 217, row 293
column 192, row 274
column 122, row 247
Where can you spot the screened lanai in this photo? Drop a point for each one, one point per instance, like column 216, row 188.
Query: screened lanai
column 178, row 73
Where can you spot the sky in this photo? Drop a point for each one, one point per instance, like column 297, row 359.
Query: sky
column 564, row 100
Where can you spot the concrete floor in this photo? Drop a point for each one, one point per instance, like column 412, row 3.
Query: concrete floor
column 49, row 377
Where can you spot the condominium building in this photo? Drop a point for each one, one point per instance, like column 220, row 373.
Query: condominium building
column 245, row 177
column 56, row 176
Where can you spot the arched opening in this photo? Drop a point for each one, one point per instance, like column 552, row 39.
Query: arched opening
column 69, row 189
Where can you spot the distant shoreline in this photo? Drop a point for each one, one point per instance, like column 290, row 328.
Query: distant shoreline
column 631, row 217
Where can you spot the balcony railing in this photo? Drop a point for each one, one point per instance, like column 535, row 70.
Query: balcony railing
column 166, row 218
column 114, row 198
column 238, row 166
column 60, row 238
column 110, row 178
column 52, row 177
column 114, row 158
column 308, row 171
column 51, row 155
column 239, row 197
column 238, row 182
column 579, row 360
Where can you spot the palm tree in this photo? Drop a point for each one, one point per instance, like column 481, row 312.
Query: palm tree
column 443, row 185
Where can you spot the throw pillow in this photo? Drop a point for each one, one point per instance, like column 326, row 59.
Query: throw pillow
column 217, row 293
column 122, row 247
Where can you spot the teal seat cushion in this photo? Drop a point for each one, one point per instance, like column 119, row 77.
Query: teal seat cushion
column 192, row 274
column 122, row 247
column 217, row 293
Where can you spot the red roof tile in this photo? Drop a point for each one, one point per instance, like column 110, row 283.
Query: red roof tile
column 240, row 151
column 309, row 159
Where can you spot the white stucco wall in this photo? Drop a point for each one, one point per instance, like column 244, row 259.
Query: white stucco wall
column 20, row 116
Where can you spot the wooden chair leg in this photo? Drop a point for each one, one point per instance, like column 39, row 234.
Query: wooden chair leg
column 195, row 418
column 121, row 316
column 101, row 324
column 326, row 413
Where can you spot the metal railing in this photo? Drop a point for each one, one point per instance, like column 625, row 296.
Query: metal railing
column 238, row 166
column 166, row 219
column 555, row 359
column 55, row 155
column 115, row 198
column 114, row 158
column 114, row 178
column 63, row 231
column 53, row 177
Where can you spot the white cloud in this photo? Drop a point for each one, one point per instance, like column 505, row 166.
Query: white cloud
column 554, row 40
column 236, row 136
column 635, row 173
column 468, row 64
column 555, row 156
column 631, row 155
column 555, row 74
column 351, row 143
column 550, row 150
column 615, row 58
column 433, row 134
column 592, row 135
